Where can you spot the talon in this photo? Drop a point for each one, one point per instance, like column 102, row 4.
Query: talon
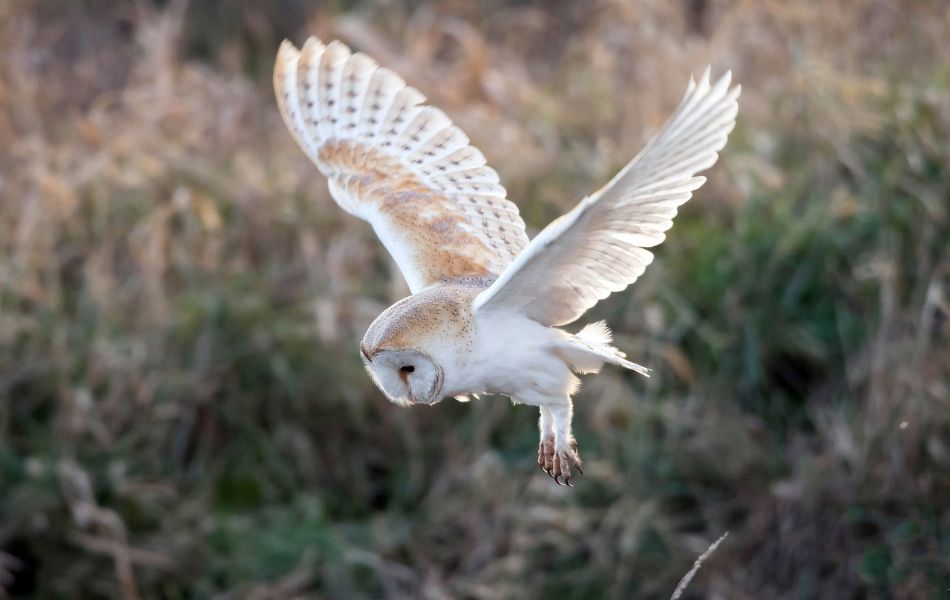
column 579, row 470
column 568, row 482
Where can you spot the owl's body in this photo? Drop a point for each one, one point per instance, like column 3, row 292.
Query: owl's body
column 487, row 306
column 504, row 353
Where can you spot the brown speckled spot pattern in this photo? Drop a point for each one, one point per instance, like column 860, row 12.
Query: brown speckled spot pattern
column 442, row 312
column 397, row 163
column 435, row 232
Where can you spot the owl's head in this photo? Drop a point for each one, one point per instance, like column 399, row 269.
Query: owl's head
column 412, row 346
column 406, row 376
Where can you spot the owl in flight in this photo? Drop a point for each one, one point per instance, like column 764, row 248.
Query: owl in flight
column 487, row 304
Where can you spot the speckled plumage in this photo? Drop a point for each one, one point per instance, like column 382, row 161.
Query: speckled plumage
column 439, row 313
column 486, row 304
column 405, row 168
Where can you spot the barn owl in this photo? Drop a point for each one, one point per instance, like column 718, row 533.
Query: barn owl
column 487, row 305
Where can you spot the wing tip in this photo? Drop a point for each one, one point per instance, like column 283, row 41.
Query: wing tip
column 706, row 85
column 337, row 51
column 286, row 53
column 285, row 47
column 312, row 40
column 312, row 49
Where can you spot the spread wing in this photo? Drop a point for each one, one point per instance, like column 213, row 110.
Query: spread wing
column 600, row 246
column 398, row 164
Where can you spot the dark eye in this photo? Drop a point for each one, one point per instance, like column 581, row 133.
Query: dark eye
column 407, row 369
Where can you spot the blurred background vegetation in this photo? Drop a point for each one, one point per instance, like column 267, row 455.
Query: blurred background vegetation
column 183, row 411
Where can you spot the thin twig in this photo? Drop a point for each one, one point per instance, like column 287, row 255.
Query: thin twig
column 138, row 556
column 699, row 562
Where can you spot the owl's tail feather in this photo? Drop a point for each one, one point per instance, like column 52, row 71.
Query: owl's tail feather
column 588, row 350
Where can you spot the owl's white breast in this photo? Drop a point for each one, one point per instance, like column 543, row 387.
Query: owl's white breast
column 509, row 354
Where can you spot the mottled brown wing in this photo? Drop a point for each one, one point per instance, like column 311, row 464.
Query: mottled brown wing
column 398, row 164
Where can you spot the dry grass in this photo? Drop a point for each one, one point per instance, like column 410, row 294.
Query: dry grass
column 684, row 582
column 182, row 407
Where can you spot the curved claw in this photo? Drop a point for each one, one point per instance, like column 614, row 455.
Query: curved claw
column 558, row 463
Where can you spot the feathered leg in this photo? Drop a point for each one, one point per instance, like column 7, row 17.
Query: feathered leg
column 546, row 447
column 566, row 455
